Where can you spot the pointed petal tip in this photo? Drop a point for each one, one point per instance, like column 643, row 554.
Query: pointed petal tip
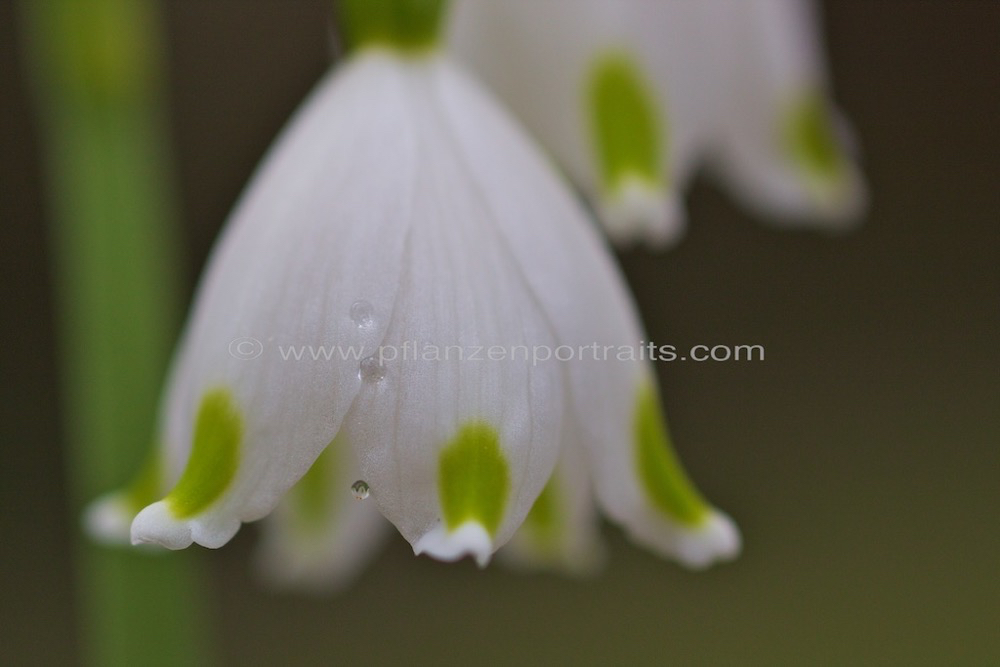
column 637, row 211
column 716, row 540
column 107, row 520
column 469, row 539
column 156, row 524
column 782, row 196
column 837, row 206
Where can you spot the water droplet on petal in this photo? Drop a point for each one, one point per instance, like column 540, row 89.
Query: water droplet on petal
column 363, row 314
column 371, row 370
column 360, row 489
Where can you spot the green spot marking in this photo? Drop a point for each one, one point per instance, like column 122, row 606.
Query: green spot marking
column 473, row 480
column 542, row 521
column 662, row 476
column 145, row 487
column 311, row 496
column 810, row 139
column 218, row 430
column 625, row 123
column 411, row 26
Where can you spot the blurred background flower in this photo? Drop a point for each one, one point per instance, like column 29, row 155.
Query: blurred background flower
column 861, row 453
column 634, row 97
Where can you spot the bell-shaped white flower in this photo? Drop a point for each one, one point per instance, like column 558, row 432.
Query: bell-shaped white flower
column 632, row 96
column 383, row 295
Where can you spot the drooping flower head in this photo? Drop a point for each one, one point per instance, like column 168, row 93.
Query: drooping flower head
column 379, row 309
column 633, row 96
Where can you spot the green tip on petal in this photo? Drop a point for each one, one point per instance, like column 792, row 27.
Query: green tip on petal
column 660, row 471
column 542, row 522
column 473, row 478
column 625, row 123
column 810, row 138
column 310, row 497
column 410, row 26
column 215, row 450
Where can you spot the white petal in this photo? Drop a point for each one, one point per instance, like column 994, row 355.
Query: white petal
column 321, row 227
column 539, row 57
column 640, row 212
column 562, row 530
column 469, row 539
column 782, row 145
column 321, row 535
column 438, row 393
column 582, row 292
column 108, row 519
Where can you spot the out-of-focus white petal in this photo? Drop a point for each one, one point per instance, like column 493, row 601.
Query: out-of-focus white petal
column 562, row 530
column 739, row 85
column 545, row 58
column 782, row 146
column 596, row 317
column 321, row 534
column 320, row 230
column 108, row 519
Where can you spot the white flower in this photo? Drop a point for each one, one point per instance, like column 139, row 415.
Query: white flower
column 633, row 96
column 403, row 205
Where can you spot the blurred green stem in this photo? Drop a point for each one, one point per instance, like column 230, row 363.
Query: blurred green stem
column 97, row 73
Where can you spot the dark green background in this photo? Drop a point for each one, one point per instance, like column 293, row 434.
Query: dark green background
column 861, row 458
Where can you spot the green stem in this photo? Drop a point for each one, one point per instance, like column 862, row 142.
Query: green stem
column 97, row 73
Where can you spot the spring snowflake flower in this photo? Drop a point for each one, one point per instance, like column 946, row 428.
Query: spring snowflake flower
column 633, row 96
column 403, row 205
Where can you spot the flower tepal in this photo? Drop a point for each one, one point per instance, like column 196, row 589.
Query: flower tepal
column 402, row 204
column 605, row 89
column 633, row 96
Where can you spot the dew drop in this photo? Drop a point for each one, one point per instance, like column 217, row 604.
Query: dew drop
column 363, row 314
column 360, row 489
column 371, row 370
